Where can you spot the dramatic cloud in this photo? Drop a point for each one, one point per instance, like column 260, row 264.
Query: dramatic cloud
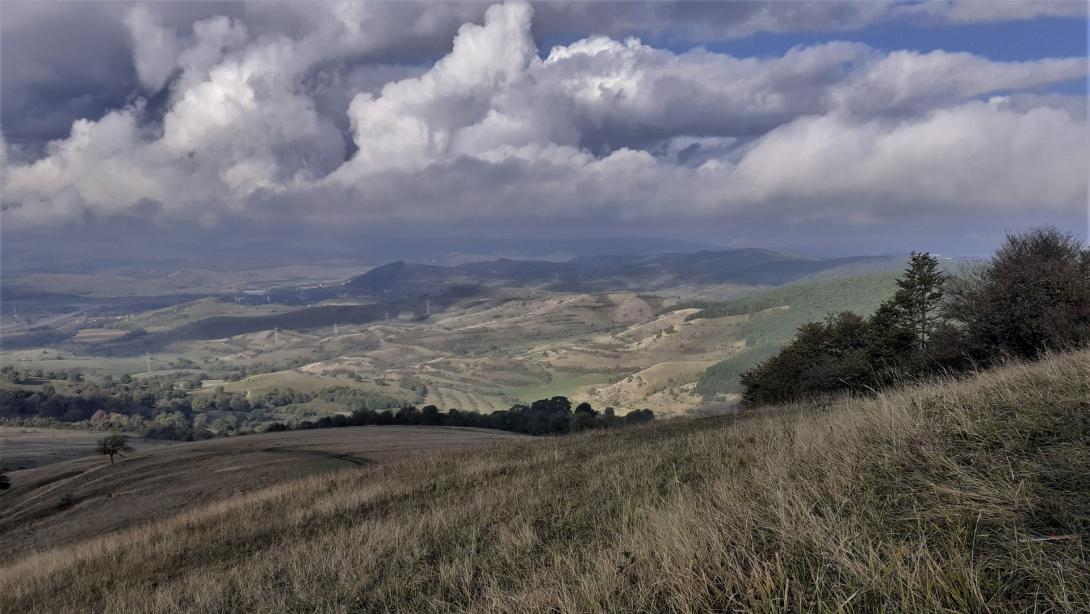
column 65, row 60
column 326, row 111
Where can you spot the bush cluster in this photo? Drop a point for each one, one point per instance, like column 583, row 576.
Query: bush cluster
column 1032, row 297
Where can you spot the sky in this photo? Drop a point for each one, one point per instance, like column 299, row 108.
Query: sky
column 823, row 127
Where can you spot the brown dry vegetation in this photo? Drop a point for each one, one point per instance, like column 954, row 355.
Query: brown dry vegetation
column 23, row 447
column 61, row 503
column 970, row 496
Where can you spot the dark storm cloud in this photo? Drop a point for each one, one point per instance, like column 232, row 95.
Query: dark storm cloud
column 59, row 62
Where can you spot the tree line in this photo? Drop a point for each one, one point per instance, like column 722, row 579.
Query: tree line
column 553, row 416
column 1031, row 297
column 161, row 407
column 147, row 399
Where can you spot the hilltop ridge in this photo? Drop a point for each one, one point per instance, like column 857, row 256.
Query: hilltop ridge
column 645, row 272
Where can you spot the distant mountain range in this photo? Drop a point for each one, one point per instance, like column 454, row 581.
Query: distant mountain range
column 750, row 267
column 158, row 251
column 397, row 287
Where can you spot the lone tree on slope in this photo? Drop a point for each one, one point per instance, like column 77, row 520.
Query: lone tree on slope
column 112, row 445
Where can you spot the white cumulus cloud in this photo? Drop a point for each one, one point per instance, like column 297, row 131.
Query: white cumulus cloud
column 258, row 119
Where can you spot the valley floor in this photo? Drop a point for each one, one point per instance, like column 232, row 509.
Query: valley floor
column 954, row 496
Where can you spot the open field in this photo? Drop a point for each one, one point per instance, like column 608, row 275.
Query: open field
column 955, row 496
column 27, row 447
column 194, row 311
column 560, row 384
column 97, row 335
column 68, row 501
column 295, row 380
column 54, row 360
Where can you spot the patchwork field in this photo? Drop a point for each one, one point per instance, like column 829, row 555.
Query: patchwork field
column 581, row 346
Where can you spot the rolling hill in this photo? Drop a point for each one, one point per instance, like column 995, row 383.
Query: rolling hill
column 773, row 318
column 64, row 502
column 620, row 349
column 952, row 496
column 407, row 287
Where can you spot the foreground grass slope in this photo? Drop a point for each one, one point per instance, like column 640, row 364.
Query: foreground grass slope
column 62, row 503
column 24, row 447
column 970, row 496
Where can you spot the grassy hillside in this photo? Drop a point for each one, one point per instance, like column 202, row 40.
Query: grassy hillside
column 26, row 447
column 970, row 496
column 64, row 502
column 774, row 316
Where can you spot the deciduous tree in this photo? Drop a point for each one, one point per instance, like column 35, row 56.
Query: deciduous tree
column 1032, row 297
column 114, row 445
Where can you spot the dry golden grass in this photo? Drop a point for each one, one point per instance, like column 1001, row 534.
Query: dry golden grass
column 930, row 499
column 63, row 503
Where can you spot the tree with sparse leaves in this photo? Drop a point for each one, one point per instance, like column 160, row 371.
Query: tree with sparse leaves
column 114, row 445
